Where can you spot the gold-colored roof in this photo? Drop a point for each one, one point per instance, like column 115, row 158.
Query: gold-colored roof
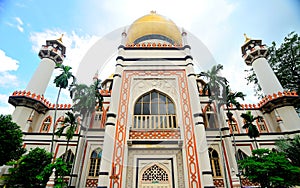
column 153, row 24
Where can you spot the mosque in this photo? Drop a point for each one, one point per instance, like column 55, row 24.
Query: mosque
column 157, row 128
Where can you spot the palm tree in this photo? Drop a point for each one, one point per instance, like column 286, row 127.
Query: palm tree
column 70, row 124
column 85, row 99
column 231, row 99
column 216, row 85
column 248, row 124
column 62, row 82
column 216, row 89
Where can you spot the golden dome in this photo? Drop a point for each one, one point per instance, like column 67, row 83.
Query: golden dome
column 153, row 26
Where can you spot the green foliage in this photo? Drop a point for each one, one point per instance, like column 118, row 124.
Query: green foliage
column 61, row 170
column 216, row 85
column 249, row 119
column 10, row 140
column 270, row 169
column 291, row 147
column 25, row 172
column 231, row 98
column 86, row 98
column 62, row 80
column 70, row 123
column 285, row 61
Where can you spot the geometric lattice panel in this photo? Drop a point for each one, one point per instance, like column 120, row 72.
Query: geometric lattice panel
column 92, row 183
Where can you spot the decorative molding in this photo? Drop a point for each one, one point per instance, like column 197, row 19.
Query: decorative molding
column 178, row 163
column 163, row 134
column 192, row 164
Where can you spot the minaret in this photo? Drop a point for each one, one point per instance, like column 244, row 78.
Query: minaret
column 51, row 54
column 254, row 54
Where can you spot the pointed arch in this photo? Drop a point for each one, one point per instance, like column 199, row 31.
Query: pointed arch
column 156, row 173
column 95, row 161
column 45, row 127
column 262, row 126
column 241, row 155
column 154, row 110
column 68, row 156
column 59, row 122
column 233, row 126
column 214, row 162
column 210, row 118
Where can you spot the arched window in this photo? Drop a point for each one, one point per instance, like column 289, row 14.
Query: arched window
column 154, row 110
column 261, row 124
column 59, row 122
column 210, row 119
column 95, row 161
column 214, row 162
column 233, row 125
column 68, row 156
column 241, row 155
column 46, row 125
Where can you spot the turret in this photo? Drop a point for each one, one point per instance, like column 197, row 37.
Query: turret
column 280, row 106
column 255, row 54
column 32, row 99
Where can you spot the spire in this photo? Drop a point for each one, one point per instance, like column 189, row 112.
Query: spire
column 95, row 78
column 60, row 39
column 247, row 39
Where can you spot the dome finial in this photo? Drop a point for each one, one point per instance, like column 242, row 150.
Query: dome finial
column 246, row 38
column 60, row 39
column 153, row 11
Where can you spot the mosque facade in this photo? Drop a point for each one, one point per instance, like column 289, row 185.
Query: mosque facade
column 157, row 128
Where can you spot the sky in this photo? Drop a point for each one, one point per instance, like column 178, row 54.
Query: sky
column 25, row 25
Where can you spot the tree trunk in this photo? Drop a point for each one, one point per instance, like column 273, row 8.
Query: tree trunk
column 255, row 141
column 54, row 119
column 65, row 157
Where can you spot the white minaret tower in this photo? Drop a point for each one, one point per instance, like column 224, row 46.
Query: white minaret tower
column 255, row 53
column 51, row 54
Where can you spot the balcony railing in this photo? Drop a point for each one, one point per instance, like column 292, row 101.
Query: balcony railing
column 154, row 122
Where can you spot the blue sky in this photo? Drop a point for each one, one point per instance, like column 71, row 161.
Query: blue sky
column 219, row 24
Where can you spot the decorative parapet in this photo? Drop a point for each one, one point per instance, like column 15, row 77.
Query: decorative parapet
column 32, row 100
column 161, row 134
column 273, row 101
column 153, row 45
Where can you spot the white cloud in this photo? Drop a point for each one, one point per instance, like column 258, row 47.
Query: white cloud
column 20, row 22
column 5, row 108
column 7, row 63
column 8, row 80
column 18, row 25
column 20, row 28
column 76, row 46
